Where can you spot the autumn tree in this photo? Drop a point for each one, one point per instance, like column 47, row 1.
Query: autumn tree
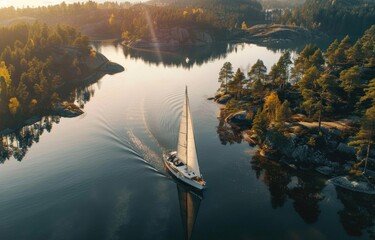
column 271, row 104
column 225, row 75
column 13, row 105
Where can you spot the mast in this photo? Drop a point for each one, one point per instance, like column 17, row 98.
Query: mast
column 187, row 129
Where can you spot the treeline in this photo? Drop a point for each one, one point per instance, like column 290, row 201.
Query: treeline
column 35, row 60
column 332, row 16
column 321, row 85
column 134, row 21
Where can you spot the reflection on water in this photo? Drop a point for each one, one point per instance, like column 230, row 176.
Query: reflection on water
column 197, row 55
column 227, row 133
column 189, row 207
column 358, row 214
column 305, row 190
column 17, row 142
column 104, row 173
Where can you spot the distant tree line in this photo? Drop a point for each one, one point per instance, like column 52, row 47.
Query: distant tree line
column 112, row 19
column 332, row 16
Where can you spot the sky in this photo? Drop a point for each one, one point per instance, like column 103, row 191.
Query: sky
column 33, row 3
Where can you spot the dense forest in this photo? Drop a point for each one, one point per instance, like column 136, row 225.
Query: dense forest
column 323, row 86
column 35, row 61
column 334, row 17
column 114, row 20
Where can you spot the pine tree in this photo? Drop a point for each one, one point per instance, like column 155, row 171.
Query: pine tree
column 258, row 72
column 355, row 54
column 330, row 53
column 283, row 114
column 235, row 86
column 351, row 80
column 260, row 126
column 365, row 138
column 225, row 75
column 369, row 93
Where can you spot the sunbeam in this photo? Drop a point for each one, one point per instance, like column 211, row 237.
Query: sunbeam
column 154, row 38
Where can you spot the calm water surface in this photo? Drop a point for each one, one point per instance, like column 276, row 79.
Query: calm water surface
column 101, row 176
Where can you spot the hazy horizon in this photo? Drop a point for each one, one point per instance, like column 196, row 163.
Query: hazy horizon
column 36, row 3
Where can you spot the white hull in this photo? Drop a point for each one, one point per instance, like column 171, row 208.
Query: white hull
column 179, row 175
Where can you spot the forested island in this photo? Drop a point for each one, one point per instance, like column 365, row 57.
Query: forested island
column 315, row 111
column 39, row 66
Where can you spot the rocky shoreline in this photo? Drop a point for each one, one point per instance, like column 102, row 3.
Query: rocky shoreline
column 99, row 65
column 302, row 147
column 261, row 34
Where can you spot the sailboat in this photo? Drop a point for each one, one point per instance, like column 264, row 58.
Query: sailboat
column 183, row 163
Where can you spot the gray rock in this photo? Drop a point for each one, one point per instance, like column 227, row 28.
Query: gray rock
column 301, row 152
column 342, row 147
column 239, row 118
column 224, row 99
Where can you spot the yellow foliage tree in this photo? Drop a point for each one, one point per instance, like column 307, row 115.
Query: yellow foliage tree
column 32, row 105
column 125, row 35
column 244, row 26
column 92, row 53
column 271, row 105
column 111, row 19
column 185, row 13
column 13, row 105
column 4, row 73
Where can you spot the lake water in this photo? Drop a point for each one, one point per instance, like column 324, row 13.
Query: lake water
column 101, row 175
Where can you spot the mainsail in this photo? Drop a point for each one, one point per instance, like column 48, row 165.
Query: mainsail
column 186, row 150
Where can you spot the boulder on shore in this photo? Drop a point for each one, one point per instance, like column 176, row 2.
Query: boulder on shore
column 239, row 119
column 68, row 110
column 224, row 99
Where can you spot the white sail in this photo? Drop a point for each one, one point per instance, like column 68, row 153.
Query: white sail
column 186, row 150
column 182, row 139
column 192, row 152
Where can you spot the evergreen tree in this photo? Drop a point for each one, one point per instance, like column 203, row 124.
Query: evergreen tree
column 235, row 86
column 369, row 93
column 258, row 72
column 260, row 126
column 225, row 75
column 351, row 80
column 365, row 138
column 355, row 54
column 330, row 53
column 283, row 113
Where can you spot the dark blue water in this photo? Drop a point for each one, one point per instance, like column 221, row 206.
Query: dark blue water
column 101, row 176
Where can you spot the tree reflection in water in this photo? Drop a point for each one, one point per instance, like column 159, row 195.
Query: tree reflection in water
column 358, row 213
column 16, row 143
column 304, row 190
column 227, row 133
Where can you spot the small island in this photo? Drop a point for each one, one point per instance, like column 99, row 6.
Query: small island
column 316, row 113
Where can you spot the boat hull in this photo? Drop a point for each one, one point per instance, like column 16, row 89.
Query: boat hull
column 180, row 176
